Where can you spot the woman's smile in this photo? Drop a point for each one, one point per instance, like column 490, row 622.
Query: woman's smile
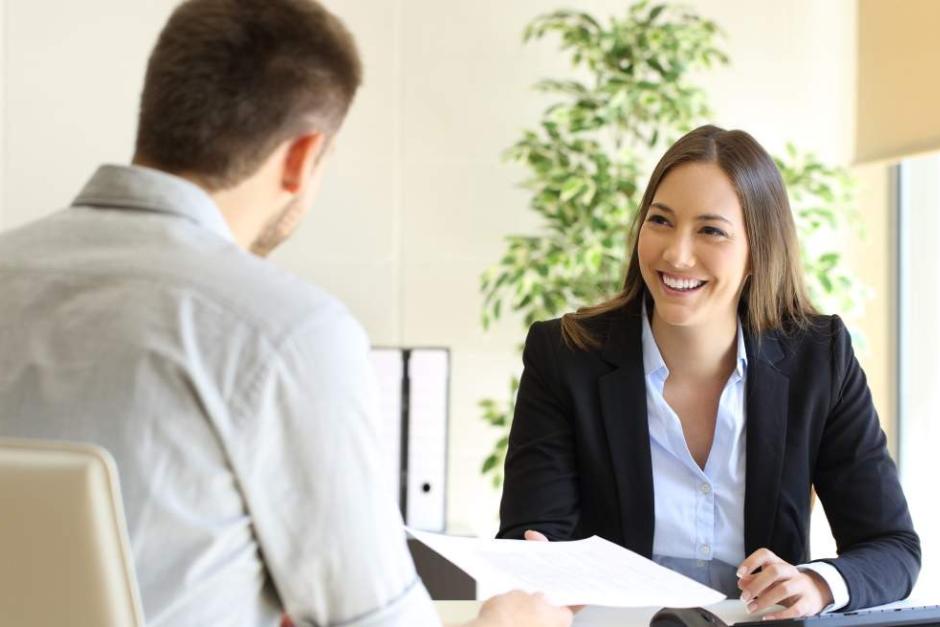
column 676, row 285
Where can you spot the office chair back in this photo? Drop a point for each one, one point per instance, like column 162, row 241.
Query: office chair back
column 64, row 554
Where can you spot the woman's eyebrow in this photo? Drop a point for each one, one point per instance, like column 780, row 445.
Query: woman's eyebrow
column 704, row 217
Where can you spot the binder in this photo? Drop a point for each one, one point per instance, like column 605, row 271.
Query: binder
column 414, row 399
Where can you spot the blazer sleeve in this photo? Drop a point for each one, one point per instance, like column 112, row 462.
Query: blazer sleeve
column 540, row 490
column 857, row 482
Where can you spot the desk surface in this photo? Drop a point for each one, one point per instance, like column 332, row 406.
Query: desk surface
column 728, row 611
column 462, row 611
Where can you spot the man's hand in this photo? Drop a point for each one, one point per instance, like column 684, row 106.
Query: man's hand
column 780, row 583
column 521, row 609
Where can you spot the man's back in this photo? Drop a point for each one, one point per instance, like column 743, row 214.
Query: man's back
column 222, row 386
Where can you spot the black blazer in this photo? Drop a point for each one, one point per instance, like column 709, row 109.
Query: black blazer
column 579, row 451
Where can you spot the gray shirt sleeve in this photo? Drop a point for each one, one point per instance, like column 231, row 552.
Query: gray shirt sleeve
column 304, row 448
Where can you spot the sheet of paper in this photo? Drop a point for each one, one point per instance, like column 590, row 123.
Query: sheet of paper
column 583, row 572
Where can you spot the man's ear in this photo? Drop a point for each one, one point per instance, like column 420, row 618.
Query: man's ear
column 303, row 152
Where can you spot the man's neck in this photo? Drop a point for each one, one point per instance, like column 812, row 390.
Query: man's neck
column 236, row 204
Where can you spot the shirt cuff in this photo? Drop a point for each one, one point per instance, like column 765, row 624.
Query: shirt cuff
column 835, row 581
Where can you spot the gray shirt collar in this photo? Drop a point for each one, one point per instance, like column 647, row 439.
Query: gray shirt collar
column 136, row 188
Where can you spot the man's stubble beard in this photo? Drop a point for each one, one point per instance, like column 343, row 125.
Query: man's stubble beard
column 279, row 228
column 283, row 225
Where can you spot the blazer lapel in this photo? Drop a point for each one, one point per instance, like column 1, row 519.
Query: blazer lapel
column 623, row 405
column 766, row 403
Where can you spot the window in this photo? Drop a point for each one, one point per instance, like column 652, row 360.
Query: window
column 918, row 358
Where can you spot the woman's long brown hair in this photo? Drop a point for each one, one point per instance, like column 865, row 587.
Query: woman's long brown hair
column 775, row 295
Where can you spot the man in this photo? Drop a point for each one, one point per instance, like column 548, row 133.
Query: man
column 236, row 399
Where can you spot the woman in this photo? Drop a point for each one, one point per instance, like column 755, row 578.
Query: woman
column 690, row 417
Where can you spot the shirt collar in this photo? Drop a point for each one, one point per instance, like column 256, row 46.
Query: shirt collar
column 653, row 361
column 136, row 188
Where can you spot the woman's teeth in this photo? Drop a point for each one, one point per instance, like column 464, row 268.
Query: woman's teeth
column 681, row 284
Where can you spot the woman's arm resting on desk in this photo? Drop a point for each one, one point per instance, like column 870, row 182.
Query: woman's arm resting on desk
column 803, row 593
column 857, row 483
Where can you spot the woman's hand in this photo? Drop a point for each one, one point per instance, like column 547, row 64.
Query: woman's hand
column 803, row 593
column 535, row 536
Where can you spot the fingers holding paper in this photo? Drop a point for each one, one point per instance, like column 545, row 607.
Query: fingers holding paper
column 766, row 580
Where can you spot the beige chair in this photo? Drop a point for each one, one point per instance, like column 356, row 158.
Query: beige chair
column 64, row 553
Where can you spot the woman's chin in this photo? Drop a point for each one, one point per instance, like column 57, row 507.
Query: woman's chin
column 677, row 315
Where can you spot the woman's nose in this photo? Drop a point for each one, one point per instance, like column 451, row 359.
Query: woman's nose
column 679, row 252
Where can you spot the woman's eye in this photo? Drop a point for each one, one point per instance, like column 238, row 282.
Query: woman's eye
column 713, row 231
column 657, row 219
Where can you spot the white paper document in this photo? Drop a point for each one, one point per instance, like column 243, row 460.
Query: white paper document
column 581, row 572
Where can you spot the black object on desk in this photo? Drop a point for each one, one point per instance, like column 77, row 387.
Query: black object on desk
column 444, row 581
column 928, row 616
column 685, row 617
column 894, row 617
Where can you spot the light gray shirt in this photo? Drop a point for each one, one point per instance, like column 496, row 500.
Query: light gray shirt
column 237, row 400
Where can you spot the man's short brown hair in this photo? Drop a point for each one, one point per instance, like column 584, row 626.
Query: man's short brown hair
column 229, row 80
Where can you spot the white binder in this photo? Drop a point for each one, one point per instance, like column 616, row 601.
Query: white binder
column 413, row 387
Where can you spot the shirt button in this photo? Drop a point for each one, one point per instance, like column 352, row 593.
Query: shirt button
column 706, row 489
column 705, row 549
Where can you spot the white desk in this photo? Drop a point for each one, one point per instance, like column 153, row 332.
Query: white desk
column 462, row 611
column 728, row 611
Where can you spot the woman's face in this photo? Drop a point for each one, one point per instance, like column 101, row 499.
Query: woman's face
column 692, row 247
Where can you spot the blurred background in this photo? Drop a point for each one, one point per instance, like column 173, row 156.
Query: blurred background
column 420, row 197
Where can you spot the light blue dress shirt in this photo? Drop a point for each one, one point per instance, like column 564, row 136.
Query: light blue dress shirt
column 699, row 524
column 699, row 527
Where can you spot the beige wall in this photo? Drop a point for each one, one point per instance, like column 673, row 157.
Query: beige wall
column 72, row 73
column 872, row 257
column 417, row 200
column 3, row 42
column 896, row 106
